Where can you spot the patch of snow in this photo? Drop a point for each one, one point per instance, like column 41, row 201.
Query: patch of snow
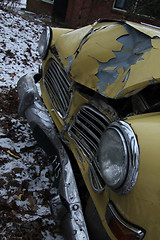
column 6, row 143
column 18, row 44
column 26, row 186
column 43, row 211
column 47, row 236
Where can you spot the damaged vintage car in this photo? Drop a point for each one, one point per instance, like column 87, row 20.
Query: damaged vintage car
column 100, row 85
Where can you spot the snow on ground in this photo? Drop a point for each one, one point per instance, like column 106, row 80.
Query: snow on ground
column 26, row 186
column 18, row 47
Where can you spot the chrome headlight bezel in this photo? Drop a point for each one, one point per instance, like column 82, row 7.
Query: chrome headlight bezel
column 44, row 42
column 131, row 157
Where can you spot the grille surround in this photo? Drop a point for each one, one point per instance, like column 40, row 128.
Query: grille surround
column 58, row 87
column 86, row 130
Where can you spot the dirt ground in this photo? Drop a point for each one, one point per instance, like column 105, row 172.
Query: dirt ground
column 21, row 199
column 27, row 194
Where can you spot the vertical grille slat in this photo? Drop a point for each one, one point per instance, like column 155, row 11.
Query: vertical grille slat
column 101, row 121
column 89, row 123
column 86, row 131
column 57, row 89
column 87, row 128
column 57, row 84
column 91, row 134
column 49, row 86
column 84, row 138
column 80, row 144
column 62, row 84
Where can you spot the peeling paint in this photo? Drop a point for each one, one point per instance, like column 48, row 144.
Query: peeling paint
column 79, row 155
column 70, row 59
column 68, row 43
column 135, row 44
column 112, row 58
column 124, row 81
column 97, row 49
column 84, row 40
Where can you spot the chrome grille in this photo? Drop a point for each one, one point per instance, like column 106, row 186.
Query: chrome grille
column 58, row 88
column 86, row 131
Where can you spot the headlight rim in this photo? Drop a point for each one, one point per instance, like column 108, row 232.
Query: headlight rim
column 45, row 36
column 133, row 157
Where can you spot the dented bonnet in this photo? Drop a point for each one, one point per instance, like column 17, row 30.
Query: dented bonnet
column 115, row 59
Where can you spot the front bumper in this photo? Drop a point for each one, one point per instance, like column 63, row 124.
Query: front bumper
column 31, row 107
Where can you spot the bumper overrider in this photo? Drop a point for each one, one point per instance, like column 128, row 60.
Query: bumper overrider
column 32, row 108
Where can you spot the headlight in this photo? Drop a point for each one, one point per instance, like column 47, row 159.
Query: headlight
column 44, row 42
column 119, row 157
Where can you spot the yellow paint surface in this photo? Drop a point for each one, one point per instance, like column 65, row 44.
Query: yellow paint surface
column 68, row 43
column 142, row 205
column 57, row 32
column 99, row 48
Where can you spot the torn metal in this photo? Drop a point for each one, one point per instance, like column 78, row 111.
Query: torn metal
column 46, row 134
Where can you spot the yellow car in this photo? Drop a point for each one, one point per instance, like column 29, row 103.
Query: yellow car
column 101, row 130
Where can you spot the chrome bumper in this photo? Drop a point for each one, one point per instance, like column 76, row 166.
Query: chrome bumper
column 44, row 130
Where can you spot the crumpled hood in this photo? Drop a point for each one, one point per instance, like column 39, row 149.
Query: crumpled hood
column 112, row 58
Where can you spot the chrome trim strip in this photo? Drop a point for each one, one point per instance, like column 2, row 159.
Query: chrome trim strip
column 133, row 156
column 88, row 123
column 47, row 34
column 37, row 115
column 96, row 180
column 111, row 210
column 86, row 130
column 132, row 152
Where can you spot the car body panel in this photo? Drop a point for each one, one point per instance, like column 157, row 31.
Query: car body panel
column 127, row 63
column 115, row 60
column 145, row 197
column 57, row 32
column 147, row 29
column 126, row 205
column 67, row 44
column 100, row 200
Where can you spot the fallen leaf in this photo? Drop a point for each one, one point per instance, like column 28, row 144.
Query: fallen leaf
column 12, row 154
column 20, row 196
column 12, row 74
